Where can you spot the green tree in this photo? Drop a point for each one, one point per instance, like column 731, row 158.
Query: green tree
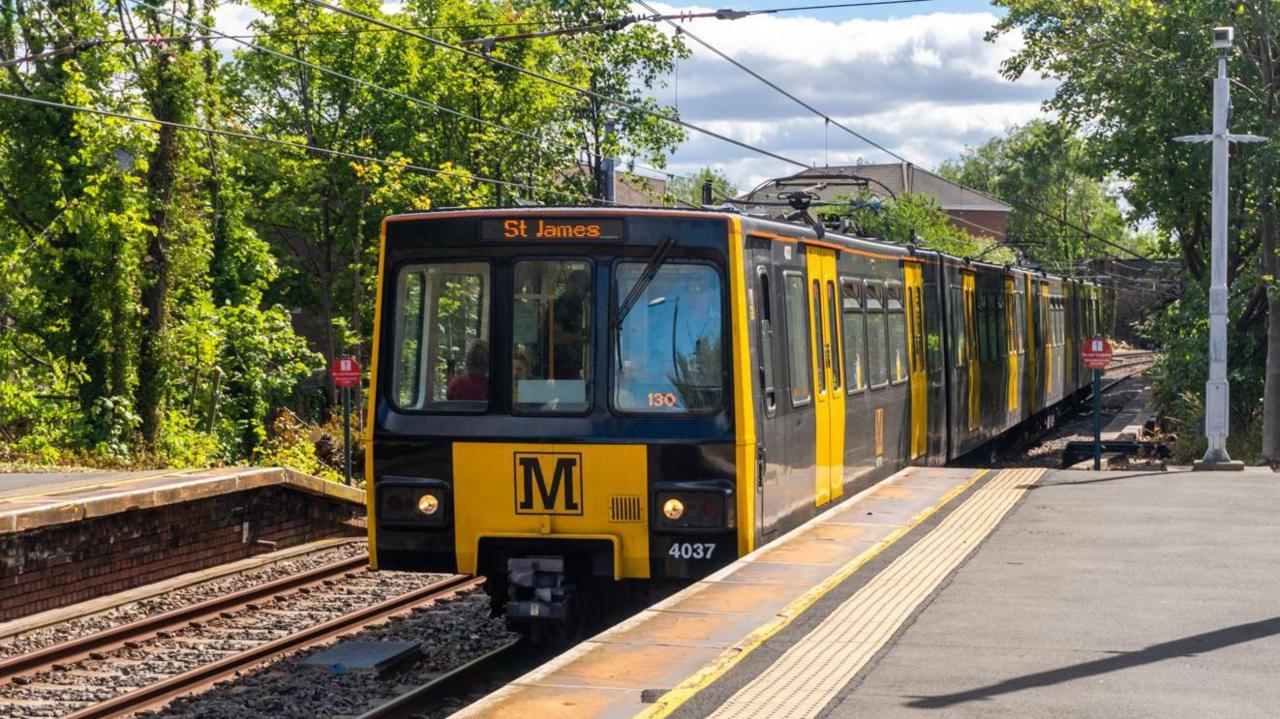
column 623, row 65
column 1132, row 77
column 688, row 190
column 1043, row 164
column 918, row 218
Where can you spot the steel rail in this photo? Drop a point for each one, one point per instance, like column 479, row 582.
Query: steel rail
column 115, row 637
column 161, row 692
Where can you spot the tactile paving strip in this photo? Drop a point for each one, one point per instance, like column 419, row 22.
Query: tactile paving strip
column 812, row 672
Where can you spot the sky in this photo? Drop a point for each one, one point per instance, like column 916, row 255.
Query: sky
column 917, row 78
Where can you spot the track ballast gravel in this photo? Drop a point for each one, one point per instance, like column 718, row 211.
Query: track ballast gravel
column 126, row 613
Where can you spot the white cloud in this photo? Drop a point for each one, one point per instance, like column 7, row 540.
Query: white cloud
column 234, row 19
column 924, row 86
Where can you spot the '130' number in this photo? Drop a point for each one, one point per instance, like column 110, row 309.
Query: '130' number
column 691, row 550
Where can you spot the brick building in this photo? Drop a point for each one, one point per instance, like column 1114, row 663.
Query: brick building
column 969, row 210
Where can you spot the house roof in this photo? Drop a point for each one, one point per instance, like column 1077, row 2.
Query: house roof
column 890, row 179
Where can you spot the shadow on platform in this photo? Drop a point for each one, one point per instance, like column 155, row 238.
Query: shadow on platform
column 1184, row 647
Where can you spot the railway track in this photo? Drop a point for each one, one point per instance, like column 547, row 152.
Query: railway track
column 482, row 674
column 149, row 662
column 1130, row 359
column 1004, row 452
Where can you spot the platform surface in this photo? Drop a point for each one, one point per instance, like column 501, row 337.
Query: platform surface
column 31, row 500
column 1041, row 594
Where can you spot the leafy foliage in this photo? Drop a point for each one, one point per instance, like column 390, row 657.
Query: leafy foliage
column 1134, row 76
column 1044, row 165
column 169, row 294
column 688, row 190
column 916, row 217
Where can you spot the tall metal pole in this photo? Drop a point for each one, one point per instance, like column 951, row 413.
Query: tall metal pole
column 1217, row 392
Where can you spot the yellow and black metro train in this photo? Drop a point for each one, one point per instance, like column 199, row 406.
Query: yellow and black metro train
column 565, row 398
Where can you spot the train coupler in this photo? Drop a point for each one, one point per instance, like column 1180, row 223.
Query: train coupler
column 537, row 591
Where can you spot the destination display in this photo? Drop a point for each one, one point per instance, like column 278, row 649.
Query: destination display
column 538, row 228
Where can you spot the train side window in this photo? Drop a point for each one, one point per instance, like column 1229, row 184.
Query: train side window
column 993, row 327
column 998, row 320
column 958, row 323
column 837, row 365
column 1021, row 321
column 1056, row 324
column 818, row 330
column 797, row 312
column 984, row 331
column 442, row 337
column 767, row 386
column 916, row 306
column 1010, row 323
column 932, row 327
column 898, row 361
column 855, row 340
column 877, row 337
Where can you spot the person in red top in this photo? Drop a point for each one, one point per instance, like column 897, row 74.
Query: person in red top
column 474, row 383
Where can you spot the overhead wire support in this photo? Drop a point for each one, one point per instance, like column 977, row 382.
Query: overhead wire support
column 236, row 134
column 585, row 92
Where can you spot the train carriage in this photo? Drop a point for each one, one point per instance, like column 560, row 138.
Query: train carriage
column 569, row 401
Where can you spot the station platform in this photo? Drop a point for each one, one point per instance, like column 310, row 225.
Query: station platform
column 33, row 500
column 963, row 593
column 68, row 537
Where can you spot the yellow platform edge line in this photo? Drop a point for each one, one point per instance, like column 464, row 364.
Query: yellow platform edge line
column 878, row 610
column 729, row 658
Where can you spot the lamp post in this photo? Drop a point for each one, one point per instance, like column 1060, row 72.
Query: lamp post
column 1217, row 390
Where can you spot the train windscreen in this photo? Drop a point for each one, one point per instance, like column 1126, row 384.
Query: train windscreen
column 670, row 353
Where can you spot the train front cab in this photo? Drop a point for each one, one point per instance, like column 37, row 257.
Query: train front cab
column 553, row 403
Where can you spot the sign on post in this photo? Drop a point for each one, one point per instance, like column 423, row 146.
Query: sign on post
column 1097, row 355
column 346, row 374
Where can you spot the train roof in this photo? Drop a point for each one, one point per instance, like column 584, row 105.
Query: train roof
column 781, row 229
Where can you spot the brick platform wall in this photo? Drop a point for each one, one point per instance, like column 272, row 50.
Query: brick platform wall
column 64, row 564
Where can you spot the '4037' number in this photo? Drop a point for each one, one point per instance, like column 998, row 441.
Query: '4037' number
column 691, row 550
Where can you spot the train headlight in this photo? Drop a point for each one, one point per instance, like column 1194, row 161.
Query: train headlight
column 699, row 506
column 413, row 503
column 428, row 504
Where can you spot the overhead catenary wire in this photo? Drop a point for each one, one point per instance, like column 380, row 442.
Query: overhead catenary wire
column 585, row 92
column 294, row 145
column 828, row 119
column 684, row 16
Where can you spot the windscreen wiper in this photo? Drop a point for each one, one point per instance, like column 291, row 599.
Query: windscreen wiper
column 655, row 261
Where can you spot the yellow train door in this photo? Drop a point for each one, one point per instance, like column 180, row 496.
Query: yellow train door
column 1032, row 345
column 968, row 283
column 1047, row 335
column 828, row 373
column 1011, row 346
column 913, row 276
